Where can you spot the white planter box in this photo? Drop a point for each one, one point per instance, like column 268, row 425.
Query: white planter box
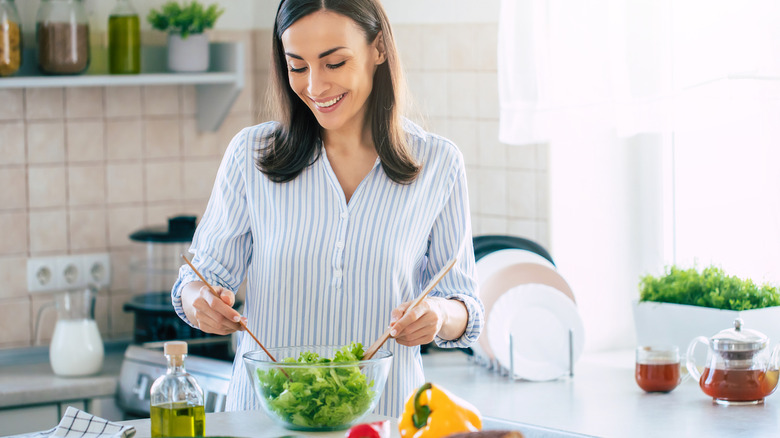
column 677, row 324
column 189, row 54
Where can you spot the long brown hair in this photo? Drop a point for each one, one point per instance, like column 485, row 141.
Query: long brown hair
column 293, row 145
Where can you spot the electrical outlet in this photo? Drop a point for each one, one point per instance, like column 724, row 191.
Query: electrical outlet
column 68, row 273
column 96, row 269
column 41, row 274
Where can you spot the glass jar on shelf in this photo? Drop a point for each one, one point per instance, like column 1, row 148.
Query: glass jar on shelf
column 62, row 31
column 10, row 38
column 124, row 39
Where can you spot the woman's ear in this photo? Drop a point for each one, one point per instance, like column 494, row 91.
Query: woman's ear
column 379, row 45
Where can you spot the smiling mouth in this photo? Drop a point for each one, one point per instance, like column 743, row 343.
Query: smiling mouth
column 329, row 103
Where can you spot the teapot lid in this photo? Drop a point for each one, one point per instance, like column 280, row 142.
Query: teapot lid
column 739, row 339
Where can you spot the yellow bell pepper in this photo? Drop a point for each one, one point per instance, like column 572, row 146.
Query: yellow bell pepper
column 432, row 412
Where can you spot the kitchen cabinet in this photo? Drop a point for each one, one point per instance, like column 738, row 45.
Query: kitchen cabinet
column 104, row 407
column 29, row 419
column 25, row 419
column 216, row 89
column 32, row 398
column 36, row 418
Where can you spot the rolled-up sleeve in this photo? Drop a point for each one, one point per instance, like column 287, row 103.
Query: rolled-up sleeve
column 451, row 235
column 222, row 244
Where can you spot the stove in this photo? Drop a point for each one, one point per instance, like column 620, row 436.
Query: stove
column 144, row 363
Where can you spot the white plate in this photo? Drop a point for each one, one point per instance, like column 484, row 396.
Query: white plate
column 489, row 264
column 538, row 317
column 507, row 278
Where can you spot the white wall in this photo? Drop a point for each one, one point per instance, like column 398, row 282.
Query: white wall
column 410, row 11
column 238, row 15
column 259, row 14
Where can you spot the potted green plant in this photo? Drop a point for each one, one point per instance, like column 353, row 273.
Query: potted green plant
column 188, row 45
column 681, row 304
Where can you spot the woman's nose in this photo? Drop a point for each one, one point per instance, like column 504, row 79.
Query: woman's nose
column 317, row 83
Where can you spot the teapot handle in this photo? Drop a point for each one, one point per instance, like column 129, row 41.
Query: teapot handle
column 690, row 362
column 774, row 359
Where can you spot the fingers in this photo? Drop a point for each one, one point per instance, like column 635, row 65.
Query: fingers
column 421, row 331
column 399, row 311
column 228, row 297
column 214, row 314
column 418, row 325
column 426, row 338
column 217, row 325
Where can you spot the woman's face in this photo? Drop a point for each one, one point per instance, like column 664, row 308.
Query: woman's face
column 331, row 67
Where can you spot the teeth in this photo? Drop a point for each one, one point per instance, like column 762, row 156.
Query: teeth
column 328, row 103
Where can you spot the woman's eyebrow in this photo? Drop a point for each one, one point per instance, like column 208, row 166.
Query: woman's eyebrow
column 322, row 55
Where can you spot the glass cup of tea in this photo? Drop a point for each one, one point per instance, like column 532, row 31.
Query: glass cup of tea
column 658, row 368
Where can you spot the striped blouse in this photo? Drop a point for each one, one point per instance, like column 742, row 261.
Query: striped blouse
column 321, row 271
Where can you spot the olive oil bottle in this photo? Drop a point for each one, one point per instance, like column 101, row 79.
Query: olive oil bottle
column 124, row 39
column 177, row 419
column 177, row 408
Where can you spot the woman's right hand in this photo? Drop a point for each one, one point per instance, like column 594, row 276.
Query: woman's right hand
column 209, row 313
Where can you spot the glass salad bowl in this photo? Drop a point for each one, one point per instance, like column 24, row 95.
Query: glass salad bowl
column 318, row 388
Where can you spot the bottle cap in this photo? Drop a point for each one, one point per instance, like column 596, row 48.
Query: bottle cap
column 175, row 348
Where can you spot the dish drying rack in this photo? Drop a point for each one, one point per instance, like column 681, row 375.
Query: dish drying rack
column 494, row 365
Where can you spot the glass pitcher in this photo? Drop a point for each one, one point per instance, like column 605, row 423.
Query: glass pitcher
column 76, row 347
column 740, row 368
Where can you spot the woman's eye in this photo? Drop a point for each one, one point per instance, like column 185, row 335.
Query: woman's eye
column 297, row 70
column 335, row 66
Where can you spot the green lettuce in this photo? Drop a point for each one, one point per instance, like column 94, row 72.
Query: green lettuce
column 318, row 397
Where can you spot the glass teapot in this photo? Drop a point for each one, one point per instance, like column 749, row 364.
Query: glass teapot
column 76, row 347
column 740, row 369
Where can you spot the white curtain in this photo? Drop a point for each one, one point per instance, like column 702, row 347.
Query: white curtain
column 660, row 116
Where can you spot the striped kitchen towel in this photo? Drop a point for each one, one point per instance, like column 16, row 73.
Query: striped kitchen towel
column 77, row 423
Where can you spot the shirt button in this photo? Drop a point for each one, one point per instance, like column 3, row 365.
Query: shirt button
column 339, row 245
column 344, row 215
column 337, row 274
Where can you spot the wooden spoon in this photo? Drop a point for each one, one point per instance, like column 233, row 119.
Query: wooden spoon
column 241, row 322
column 434, row 281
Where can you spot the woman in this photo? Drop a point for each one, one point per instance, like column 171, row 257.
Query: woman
column 340, row 213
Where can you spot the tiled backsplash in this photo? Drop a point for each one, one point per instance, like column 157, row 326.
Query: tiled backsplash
column 82, row 168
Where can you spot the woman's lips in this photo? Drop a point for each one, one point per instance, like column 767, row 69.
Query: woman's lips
column 330, row 104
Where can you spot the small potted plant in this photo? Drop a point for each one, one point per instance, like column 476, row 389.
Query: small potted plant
column 682, row 304
column 188, row 45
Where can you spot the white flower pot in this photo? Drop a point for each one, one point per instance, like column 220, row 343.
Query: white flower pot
column 677, row 324
column 189, row 54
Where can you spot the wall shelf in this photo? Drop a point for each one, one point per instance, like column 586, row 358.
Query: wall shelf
column 216, row 89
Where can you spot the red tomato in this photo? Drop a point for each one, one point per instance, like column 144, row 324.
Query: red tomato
column 378, row 429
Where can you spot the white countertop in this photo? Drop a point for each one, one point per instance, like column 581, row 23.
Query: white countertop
column 249, row 423
column 30, row 381
column 253, row 424
column 602, row 399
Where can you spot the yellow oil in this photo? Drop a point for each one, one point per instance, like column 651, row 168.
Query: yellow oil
column 178, row 420
column 124, row 44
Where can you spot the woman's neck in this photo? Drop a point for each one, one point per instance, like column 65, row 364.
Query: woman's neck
column 354, row 138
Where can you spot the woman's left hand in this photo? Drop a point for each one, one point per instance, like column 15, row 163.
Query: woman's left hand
column 420, row 325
